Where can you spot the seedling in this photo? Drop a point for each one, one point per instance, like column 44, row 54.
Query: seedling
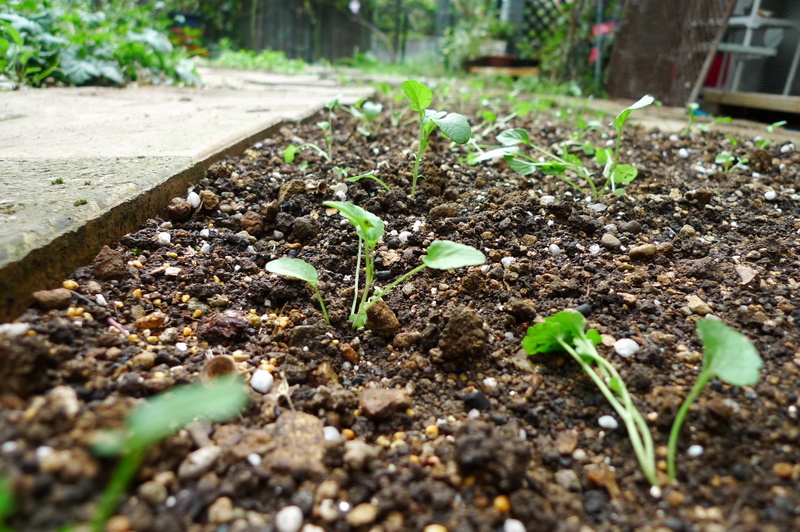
column 767, row 142
column 299, row 269
column 728, row 162
column 369, row 175
column 566, row 331
column 441, row 255
column 369, row 114
column 727, row 354
column 525, row 164
column 452, row 125
column 160, row 417
column 693, row 109
column 291, row 151
column 615, row 173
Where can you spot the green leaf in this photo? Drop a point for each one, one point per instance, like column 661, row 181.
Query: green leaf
column 333, row 102
column 324, row 125
column 621, row 118
column 728, row 354
column 297, row 268
column 418, row 93
column 497, row 152
column 368, row 226
column 564, row 326
column 488, row 116
column 153, row 38
column 523, row 108
column 171, row 410
column 625, row 173
column 455, row 127
column 372, row 110
column 553, row 168
column 602, row 155
column 522, row 166
column 290, row 152
column 512, row 137
column 446, row 254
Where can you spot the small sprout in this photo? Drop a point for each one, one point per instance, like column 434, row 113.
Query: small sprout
column 301, row 270
column 6, row 503
column 80, row 202
column 767, row 142
column 566, row 331
column 87, row 183
column 57, row 181
column 452, row 125
column 727, row 354
column 158, row 418
column 728, row 162
column 620, row 174
column 369, row 175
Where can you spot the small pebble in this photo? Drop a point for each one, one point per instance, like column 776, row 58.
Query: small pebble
column 610, row 241
column 625, row 347
column 262, row 381
column 506, row 261
column 545, row 201
column 513, row 525
column 554, row 250
column 254, row 459
column 770, row 195
column 598, row 207
column 787, row 148
column 694, row 451
column 608, row 422
column 683, row 153
column 289, row 519
column 194, row 199
column 595, row 249
column 331, row 433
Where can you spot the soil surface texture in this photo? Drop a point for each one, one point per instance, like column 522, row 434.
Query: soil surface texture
column 432, row 417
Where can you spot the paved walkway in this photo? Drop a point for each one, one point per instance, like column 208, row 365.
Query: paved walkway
column 81, row 167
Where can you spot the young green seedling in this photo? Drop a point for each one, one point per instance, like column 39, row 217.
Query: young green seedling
column 767, row 142
column 158, row 418
column 566, row 331
column 728, row 162
column 615, row 173
column 441, row 255
column 369, row 114
column 301, row 270
column 452, row 125
column 369, row 175
column 727, row 354
column 291, row 151
column 525, row 164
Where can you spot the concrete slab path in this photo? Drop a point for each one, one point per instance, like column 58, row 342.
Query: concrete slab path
column 80, row 167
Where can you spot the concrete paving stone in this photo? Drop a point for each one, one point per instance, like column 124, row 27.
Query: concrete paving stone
column 126, row 152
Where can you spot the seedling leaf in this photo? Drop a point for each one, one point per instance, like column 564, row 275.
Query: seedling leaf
column 625, row 173
column 621, row 118
column 455, row 127
column 446, row 254
column 512, row 137
column 368, row 226
column 497, row 152
column 418, row 93
column 521, row 166
column 728, row 354
column 296, row 268
column 169, row 411
column 566, row 326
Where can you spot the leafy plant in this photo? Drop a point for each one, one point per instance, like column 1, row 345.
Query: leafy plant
column 566, row 331
column 441, row 255
column 693, row 110
column 299, row 269
column 615, row 173
column 158, row 418
column 767, row 141
column 525, row 164
column 271, row 60
column 728, row 162
column 727, row 354
column 452, row 125
column 291, row 151
column 369, row 115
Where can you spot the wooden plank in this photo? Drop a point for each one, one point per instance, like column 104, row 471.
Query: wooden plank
column 756, row 100
column 504, row 71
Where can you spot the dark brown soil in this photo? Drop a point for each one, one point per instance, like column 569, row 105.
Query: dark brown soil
column 444, row 420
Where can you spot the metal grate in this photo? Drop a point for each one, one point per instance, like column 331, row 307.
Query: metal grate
column 661, row 46
column 540, row 18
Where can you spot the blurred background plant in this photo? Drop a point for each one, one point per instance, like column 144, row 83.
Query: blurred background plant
column 80, row 42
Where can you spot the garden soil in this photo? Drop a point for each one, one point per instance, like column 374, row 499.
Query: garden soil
column 433, row 418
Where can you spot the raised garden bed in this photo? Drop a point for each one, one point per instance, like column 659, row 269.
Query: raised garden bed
column 435, row 419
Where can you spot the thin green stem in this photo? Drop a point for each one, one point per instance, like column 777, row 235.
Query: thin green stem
column 321, row 304
column 672, row 446
column 369, row 266
column 423, row 144
column 380, row 293
column 123, row 474
column 358, row 271
column 627, row 412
